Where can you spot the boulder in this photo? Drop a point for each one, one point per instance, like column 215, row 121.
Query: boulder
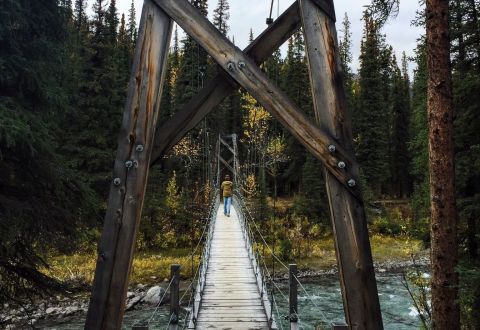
column 132, row 302
column 51, row 310
column 154, row 294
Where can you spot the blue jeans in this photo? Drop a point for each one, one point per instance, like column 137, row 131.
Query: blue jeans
column 227, row 201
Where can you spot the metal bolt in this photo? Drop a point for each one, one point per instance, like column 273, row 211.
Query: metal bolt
column 351, row 183
column 231, row 66
column 139, row 148
column 342, row 165
column 332, row 148
column 128, row 164
column 117, row 181
column 241, row 65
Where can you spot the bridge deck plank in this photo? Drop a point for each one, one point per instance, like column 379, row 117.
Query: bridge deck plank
column 230, row 299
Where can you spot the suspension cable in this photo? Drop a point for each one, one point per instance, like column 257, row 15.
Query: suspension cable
column 161, row 300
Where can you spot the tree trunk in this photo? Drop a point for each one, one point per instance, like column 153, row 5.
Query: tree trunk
column 445, row 310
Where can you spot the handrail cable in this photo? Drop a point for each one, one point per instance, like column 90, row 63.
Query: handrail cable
column 160, row 301
column 245, row 206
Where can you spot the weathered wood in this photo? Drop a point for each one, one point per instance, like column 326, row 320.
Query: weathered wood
column 231, row 297
column 132, row 162
column 250, row 77
column 175, row 294
column 171, row 132
column 357, row 277
column 293, row 295
column 339, row 326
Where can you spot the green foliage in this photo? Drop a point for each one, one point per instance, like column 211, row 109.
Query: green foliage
column 469, row 294
column 371, row 116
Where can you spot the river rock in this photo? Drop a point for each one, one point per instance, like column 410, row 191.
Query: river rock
column 132, row 302
column 154, row 294
column 51, row 310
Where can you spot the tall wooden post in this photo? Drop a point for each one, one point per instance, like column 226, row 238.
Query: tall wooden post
column 127, row 189
column 293, row 296
column 354, row 256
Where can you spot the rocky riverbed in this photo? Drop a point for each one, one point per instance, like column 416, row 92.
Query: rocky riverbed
column 35, row 315
column 32, row 315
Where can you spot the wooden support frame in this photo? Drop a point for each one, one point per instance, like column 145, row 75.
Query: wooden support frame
column 171, row 132
column 243, row 70
column 329, row 139
column 354, row 257
column 132, row 163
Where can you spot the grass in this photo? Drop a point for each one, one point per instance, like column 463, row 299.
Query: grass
column 320, row 254
column 151, row 268
column 148, row 268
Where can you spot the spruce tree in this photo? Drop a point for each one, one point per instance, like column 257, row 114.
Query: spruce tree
column 399, row 159
column 221, row 15
column 372, row 115
column 346, row 57
column 132, row 24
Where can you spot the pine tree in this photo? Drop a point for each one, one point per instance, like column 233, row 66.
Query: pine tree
column 399, row 159
column 111, row 22
column 221, row 16
column 80, row 14
column 42, row 202
column 296, row 84
column 372, row 115
column 444, row 249
column 132, row 24
column 346, row 57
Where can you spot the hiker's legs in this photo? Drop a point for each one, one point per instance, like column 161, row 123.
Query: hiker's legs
column 227, row 203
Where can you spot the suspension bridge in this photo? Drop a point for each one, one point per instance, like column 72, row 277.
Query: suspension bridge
column 233, row 287
column 141, row 144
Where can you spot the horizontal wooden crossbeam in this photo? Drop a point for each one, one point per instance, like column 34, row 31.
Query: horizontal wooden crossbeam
column 246, row 73
column 214, row 92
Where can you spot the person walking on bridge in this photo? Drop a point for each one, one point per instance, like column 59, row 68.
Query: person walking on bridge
column 227, row 187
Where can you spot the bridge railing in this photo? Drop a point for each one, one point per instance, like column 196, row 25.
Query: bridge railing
column 201, row 274
column 261, row 278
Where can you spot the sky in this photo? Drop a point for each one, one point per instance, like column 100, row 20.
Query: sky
column 246, row 14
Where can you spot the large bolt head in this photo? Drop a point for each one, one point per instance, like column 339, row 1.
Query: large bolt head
column 117, row 181
column 230, row 66
column 352, row 183
column 332, row 148
column 128, row 164
column 342, row 165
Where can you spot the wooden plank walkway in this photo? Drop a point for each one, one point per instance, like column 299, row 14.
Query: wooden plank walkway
column 231, row 299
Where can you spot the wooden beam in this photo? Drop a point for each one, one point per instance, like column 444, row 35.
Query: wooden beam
column 227, row 165
column 357, row 277
column 127, row 189
column 171, row 132
column 226, row 145
column 249, row 76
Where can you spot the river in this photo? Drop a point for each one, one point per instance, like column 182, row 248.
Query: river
column 321, row 305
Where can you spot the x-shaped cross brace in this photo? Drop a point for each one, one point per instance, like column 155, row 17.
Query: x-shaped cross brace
column 241, row 68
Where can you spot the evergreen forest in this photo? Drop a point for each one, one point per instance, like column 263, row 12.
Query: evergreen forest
column 64, row 71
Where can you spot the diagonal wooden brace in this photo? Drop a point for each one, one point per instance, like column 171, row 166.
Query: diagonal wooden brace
column 246, row 73
column 172, row 131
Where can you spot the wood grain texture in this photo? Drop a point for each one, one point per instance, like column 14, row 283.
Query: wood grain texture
column 230, row 297
column 244, row 70
column 357, row 277
column 132, row 162
column 215, row 91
